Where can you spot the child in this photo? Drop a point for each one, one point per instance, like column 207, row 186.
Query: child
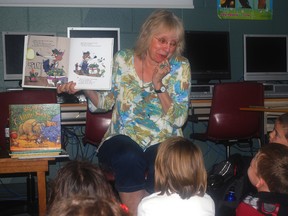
column 87, row 206
column 280, row 131
column 181, row 181
column 80, row 178
column 268, row 172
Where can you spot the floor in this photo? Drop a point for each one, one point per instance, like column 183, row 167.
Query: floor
column 13, row 201
column 14, row 208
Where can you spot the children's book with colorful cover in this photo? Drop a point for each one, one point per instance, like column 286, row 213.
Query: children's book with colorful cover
column 35, row 128
column 49, row 61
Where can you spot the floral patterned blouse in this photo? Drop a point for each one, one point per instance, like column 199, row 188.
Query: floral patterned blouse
column 137, row 111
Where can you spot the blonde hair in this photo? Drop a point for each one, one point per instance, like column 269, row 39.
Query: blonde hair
column 179, row 168
column 158, row 21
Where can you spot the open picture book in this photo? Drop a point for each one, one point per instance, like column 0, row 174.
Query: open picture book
column 50, row 61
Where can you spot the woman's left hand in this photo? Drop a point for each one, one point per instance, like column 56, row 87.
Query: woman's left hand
column 160, row 72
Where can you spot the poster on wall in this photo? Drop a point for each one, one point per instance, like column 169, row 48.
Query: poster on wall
column 245, row 9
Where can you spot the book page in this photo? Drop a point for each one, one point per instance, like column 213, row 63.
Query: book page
column 90, row 63
column 45, row 61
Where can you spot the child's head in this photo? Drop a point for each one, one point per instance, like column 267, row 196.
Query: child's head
column 268, row 170
column 179, row 168
column 280, row 131
column 87, row 206
column 80, row 178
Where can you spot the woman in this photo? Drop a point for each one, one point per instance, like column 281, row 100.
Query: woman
column 150, row 99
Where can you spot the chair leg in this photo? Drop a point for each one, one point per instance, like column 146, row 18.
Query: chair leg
column 227, row 151
column 260, row 143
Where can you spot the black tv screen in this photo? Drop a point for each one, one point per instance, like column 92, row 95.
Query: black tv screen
column 265, row 57
column 209, row 55
column 13, row 50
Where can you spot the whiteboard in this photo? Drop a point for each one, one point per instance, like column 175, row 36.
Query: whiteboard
column 99, row 3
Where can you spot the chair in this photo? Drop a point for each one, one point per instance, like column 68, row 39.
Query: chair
column 96, row 126
column 227, row 124
column 26, row 96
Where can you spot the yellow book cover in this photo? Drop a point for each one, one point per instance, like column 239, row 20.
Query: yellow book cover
column 34, row 127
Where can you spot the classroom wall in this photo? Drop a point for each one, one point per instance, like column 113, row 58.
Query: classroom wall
column 202, row 17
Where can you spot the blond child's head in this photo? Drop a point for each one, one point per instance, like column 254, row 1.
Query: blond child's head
column 179, row 168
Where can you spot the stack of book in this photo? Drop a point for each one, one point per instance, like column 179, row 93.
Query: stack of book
column 35, row 130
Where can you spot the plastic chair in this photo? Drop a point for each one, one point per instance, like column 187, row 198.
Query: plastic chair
column 96, row 126
column 227, row 124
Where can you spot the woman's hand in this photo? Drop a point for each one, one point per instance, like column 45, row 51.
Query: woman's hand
column 67, row 88
column 159, row 73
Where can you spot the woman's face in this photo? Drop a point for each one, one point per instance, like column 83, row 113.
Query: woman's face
column 163, row 46
column 278, row 134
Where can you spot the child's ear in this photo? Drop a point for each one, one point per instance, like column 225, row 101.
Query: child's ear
column 261, row 185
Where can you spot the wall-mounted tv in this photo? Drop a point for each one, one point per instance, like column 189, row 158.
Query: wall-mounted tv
column 209, row 55
column 95, row 32
column 265, row 57
column 13, row 50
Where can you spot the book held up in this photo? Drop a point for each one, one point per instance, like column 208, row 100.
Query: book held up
column 49, row 61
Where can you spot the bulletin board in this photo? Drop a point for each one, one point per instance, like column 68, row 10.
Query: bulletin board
column 245, row 9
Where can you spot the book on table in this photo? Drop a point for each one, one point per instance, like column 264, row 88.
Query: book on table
column 49, row 61
column 35, row 130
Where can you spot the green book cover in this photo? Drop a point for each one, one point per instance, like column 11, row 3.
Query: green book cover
column 34, row 127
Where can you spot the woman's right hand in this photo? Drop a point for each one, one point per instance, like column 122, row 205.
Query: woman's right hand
column 67, row 88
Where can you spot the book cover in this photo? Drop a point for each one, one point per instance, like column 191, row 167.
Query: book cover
column 39, row 154
column 30, row 155
column 49, row 61
column 34, row 127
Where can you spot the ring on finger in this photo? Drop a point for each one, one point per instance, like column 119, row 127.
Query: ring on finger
column 163, row 65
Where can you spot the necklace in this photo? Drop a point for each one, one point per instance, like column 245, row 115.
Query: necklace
column 145, row 86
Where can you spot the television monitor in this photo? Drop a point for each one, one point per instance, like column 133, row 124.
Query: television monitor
column 209, row 55
column 265, row 57
column 13, row 50
column 95, row 32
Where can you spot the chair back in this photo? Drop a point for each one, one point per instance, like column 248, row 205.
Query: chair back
column 27, row 96
column 96, row 126
column 226, row 120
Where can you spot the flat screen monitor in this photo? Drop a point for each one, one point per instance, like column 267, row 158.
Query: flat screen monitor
column 209, row 55
column 13, row 50
column 265, row 57
column 95, row 32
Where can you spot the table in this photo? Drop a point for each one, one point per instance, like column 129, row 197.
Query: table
column 40, row 166
column 269, row 112
column 266, row 109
